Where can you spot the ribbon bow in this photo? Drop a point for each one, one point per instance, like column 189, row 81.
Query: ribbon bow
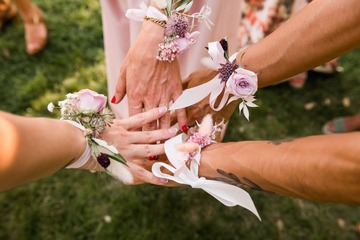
column 227, row 194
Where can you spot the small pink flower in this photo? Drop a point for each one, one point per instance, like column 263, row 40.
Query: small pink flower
column 186, row 42
column 90, row 101
column 242, row 84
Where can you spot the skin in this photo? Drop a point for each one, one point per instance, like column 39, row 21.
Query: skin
column 158, row 82
column 316, row 34
column 321, row 168
column 29, row 152
column 35, row 29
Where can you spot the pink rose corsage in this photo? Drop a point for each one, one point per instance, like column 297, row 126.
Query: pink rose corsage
column 184, row 153
column 87, row 111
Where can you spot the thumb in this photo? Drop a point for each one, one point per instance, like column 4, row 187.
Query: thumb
column 120, row 89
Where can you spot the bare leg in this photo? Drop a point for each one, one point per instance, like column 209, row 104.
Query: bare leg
column 35, row 28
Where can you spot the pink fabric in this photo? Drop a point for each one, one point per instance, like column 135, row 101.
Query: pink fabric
column 120, row 32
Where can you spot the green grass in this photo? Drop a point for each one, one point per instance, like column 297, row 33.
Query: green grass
column 72, row 204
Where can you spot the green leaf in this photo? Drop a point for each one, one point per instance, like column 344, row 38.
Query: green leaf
column 119, row 158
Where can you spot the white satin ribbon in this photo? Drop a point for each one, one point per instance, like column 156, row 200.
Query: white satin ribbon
column 116, row 169
column 214, row 87
column 227, row 194
column 144, row 10
column 87, row 152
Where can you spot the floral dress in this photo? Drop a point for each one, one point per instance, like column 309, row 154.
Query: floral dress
column 261, row 17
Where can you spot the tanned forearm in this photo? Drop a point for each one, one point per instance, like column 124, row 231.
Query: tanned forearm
column 320, row 32
column 32, row 148
column 323, row 168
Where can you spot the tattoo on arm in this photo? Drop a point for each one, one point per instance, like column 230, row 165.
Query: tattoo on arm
column 278, row 142
column 232, row 179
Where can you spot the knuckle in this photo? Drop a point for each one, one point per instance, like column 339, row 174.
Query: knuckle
column 149, row 137
column 148, row 150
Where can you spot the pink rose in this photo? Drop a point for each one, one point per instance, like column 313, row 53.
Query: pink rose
column 242, row 83
column 90, row 101
column 186, row 42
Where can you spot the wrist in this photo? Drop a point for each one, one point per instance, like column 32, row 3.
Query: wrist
column 82, row 151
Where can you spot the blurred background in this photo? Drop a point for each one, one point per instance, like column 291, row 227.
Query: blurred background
column 75, row 204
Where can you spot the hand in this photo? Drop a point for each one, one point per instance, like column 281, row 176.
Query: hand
column 136, row 146
column 200, row 109
column 149, row 83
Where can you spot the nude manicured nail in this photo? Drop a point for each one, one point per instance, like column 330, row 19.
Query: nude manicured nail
column 162, row 109
column 172, row 130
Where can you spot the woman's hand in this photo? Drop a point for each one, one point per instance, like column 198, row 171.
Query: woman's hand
column 149, row 83
column 137, row 146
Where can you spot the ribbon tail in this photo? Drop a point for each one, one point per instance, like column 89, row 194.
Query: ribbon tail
column 229, row 195
column 215, row 94
column 194, row 95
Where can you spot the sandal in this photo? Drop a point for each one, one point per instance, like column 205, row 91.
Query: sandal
column 342, row 125
column 7, row 12
column 298, row 81
column 329, row 68
column 35, row 32
column 336, row 125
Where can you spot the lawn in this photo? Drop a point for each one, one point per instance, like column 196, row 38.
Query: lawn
column 75, row 204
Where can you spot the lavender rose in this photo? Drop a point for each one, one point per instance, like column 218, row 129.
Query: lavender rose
column 90, row 101
column 242, row 83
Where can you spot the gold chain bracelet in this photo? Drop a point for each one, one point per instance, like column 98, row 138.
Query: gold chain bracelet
column 159, row 22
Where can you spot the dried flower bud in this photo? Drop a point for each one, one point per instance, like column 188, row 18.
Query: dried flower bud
column 103, row 160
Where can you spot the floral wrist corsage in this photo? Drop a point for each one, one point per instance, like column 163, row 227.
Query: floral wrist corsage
column 232, row 80
column 184, row 154
column 178, row 36
column 87, row 110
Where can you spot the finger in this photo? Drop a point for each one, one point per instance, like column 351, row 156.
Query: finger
column 165, row 121
column 152, row 125
column 187, row 147
column 147, row 150
column 135, row 108
column 180, row 113
column 141, row 175
column 139, row 120
column 120, row 89
column 142, row 137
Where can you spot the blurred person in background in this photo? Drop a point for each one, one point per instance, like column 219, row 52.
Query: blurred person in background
column 35, row 28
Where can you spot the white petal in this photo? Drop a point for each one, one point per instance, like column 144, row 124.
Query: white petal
column 104, row 144
column 246, row 112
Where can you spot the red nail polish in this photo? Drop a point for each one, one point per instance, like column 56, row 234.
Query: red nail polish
column 184, row 128
column 113, row 100
column 153, row 158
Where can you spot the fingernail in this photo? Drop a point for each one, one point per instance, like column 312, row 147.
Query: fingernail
column 172, row 130
column 113, row 100
column 162, row 109
column 184, row 128
column 164, row 180
column 153, row 158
